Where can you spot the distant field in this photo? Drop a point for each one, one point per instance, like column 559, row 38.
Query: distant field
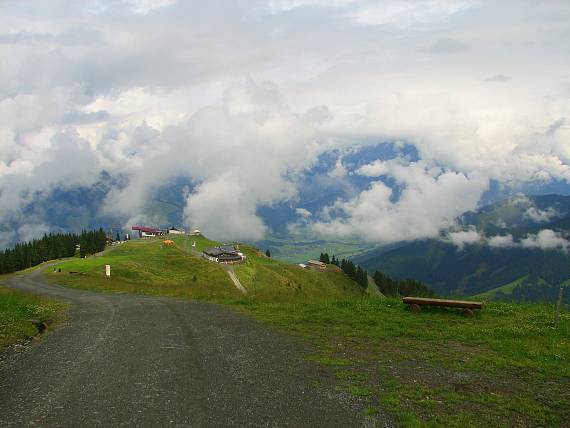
column 16, row 311
column 506, row 367
column 298, row 249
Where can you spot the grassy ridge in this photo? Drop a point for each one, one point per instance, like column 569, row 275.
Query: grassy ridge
column 16, row 311
column 149, row 267
column 506, row 367
column 267, row 279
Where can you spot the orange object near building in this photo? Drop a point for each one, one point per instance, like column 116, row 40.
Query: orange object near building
column 168, row 242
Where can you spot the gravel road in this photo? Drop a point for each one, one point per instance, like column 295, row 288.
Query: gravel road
column 126, row 360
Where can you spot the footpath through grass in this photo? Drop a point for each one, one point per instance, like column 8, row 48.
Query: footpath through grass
column 507, row 366
column 18, row 309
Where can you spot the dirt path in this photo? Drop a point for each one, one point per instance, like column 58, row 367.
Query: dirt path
column 235, row 280
column 125, row 360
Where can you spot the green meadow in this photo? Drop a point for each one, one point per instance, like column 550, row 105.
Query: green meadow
column 149, row 267
column 507, row 366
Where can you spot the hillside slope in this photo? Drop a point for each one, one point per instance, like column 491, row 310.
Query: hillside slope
column 473, row 270
column 150, row 267
column 521, row 274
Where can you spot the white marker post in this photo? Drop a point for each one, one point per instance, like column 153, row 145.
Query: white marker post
column 107, row 270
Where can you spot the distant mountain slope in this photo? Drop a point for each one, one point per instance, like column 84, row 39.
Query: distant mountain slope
column 520, row 211
column 473, row 270
column 480, row 269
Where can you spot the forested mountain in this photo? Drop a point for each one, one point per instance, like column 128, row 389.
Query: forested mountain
column 508, row 273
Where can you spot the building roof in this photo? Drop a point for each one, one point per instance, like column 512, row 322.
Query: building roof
column 223, row 250
column 146, row 229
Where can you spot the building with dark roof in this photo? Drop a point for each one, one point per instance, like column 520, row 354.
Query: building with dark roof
column 226, row 254
column 147, row 232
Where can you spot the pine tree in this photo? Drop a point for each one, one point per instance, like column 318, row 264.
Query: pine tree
column 267, row 253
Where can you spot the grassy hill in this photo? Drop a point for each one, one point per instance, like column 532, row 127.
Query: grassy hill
column 432, row 369
column 270, row 280
column 474, row 270
column 149, row 267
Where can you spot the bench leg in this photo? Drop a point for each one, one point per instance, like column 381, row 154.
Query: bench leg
column 415, row 308
column 468, row 313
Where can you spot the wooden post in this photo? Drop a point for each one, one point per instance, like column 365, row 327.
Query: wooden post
column 558, row 307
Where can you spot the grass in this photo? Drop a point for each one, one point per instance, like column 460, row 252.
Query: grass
column 507, row 366
column 267, row 279
column 507, row 288
column 18, row 309
column 149, row 267
column 299, row 248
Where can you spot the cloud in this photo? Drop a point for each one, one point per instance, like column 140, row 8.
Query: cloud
column 499, row 78
column 546, row 240
column 501, row 241
column 541, row 216
column 430, row 200
column 142, row 91
column 339, row 170
column 465, row 237
column 447, row 46
column 303, row 212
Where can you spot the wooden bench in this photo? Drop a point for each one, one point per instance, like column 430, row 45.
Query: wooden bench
column 416, row 304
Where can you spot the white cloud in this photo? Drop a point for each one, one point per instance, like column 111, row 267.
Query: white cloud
column 339, row 169
column 430, row 201
column 465, row 237
column 546, row 240
column 305, row 213
column 541, row 216
column 501, row 241
column 149, row 95
column 374, row 169
column 146, row 6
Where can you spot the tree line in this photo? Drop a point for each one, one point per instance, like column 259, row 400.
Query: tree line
column 352, row 270
column 51, row 246
column 404, row 287
column 387, row 285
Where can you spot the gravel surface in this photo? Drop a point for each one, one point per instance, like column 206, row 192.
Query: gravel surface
column 126, row 360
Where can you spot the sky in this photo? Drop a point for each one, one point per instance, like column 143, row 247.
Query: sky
column 242, row 97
